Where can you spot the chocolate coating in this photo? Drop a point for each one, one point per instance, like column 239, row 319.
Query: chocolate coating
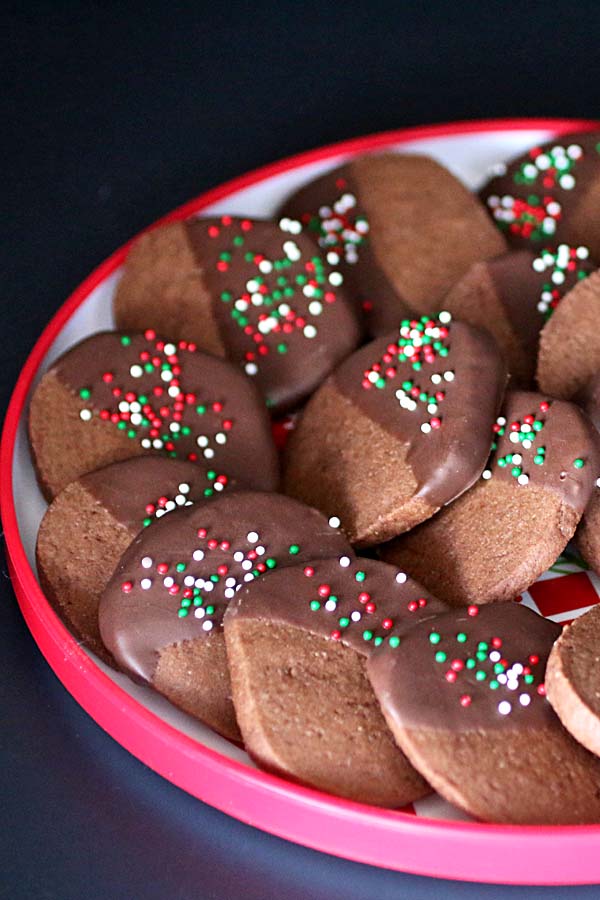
column 549, row 194
column 589, row 399
column 355, row 597
column 550, row 456
column 251, row 532
column 155, row 397
column 281, row 309
column 414, row 691
column 467, row 369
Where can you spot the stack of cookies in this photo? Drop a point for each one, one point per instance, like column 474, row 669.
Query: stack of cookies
column 343, row 607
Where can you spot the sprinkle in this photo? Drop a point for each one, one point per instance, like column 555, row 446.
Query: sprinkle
column 334, row 522
column 504, row 708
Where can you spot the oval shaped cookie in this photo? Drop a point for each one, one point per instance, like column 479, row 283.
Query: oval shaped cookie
column 114, row 396
column 587, row 536
column 573, row 679
column 297, row 643
column 256, row 292
column 549, row 194
column 400, row 429
column 161, row 613
column 513, row 295
column 569, row 353
column 402, row 228
column 502, row 534
column 90, row 523
column 464, row 697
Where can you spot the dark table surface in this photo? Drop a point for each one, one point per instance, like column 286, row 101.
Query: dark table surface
column 112, row 115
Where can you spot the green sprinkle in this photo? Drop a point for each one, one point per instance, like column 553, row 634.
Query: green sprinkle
column 394, row 641
column 210, row 610
column 182, row 613
column 360, row 576
column 125, row 341
column 294, row 549
column 270, row 563
column 180, row 567
column 85, row 393
column 494, row 684
column 470, row 664
column 461, row 637
column 367, row 635
column 440, row 656
column 200, row 410
column 434, row 638
column 378, row 640
column 480, row 675
column 344, row 622
column 578, row 463
column 529, row 679
column 315, row 605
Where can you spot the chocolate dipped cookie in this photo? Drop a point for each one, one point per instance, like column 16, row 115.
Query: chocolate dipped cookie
column 161, row 613
column 513, row 295
column 114, row 396
column 256, row 292
column 502, row 534
column 400, row 429
column 569, row 353
column 297, row 643
column 90, row 523
column 587, row 536
column 464, row 696
column 402, row 229
column 572, row 679
column 549, row 195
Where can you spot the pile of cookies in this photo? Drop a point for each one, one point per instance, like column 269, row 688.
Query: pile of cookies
column 342, row 605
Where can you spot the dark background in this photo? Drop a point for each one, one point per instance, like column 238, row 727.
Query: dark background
column 112, row 114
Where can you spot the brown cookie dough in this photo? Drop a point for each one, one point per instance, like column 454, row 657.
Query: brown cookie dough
column 89, row 525
column 402, row 228
column 464, row 697
column 400, row 429
column 297, row 642
column 114, row 396
column 569, row 353
column 496, row 539
column 573, row 679
column 587, row 536
column 161, row 613
column 256, row 292
column 513, row 295
column 550, row 194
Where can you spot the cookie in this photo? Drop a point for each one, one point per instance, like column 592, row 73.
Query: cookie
column 501, row 535
column 550, row 194
column 569, row 353
column 256, row 292
column 587, row 536
column 400, row 429
column 402, row 229
column 114, row 396
column 89, row 525
column 464, row 697
column 161, row 613
column 297, row 643
column 513, row 295
column 572, row 679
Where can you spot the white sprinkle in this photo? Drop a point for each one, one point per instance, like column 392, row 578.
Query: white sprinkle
column 136, row 371
column 252, row 537
column 184, row 488
column 159, row 513
column 486, row 474
column 504, row 708
column 495, row 656
column 146, row 443
column 220, row 437
column 345, row 560
column 197, row 554
column 202, row 440
column 168, row 581
column 449, row 376
column 335, row 278
column 248, row 576
column 334, row 522
column 523, row 478
column 208, row 586
column 251, row 368
column 173, row 391
column 157, row 444
column 85, row 415
column 189, row 581
column 208, row 453
column 315, row 308
column 401, row 577
column 166, row 375
column 199, row 612
column 145, row 584
column 238, row 556
column 425, row 427
column 356, row 616
column 331, row 606
column 445, row 317
column 524, row 699
column 147, row 562
column 517, row 459
column 309, row 331
column 228, row 593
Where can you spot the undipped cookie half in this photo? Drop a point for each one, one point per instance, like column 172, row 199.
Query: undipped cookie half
column 400, row 429
column 89, row 525
column 549, row 194
column 256, row 292
column 587, row 536
column 569, row 353
column 161, row 614
column 501, row 535
column 573, row 679
column 402, row 228
column 114, row 396
column 297, row 643
column 513, row 295
column 464, row 697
